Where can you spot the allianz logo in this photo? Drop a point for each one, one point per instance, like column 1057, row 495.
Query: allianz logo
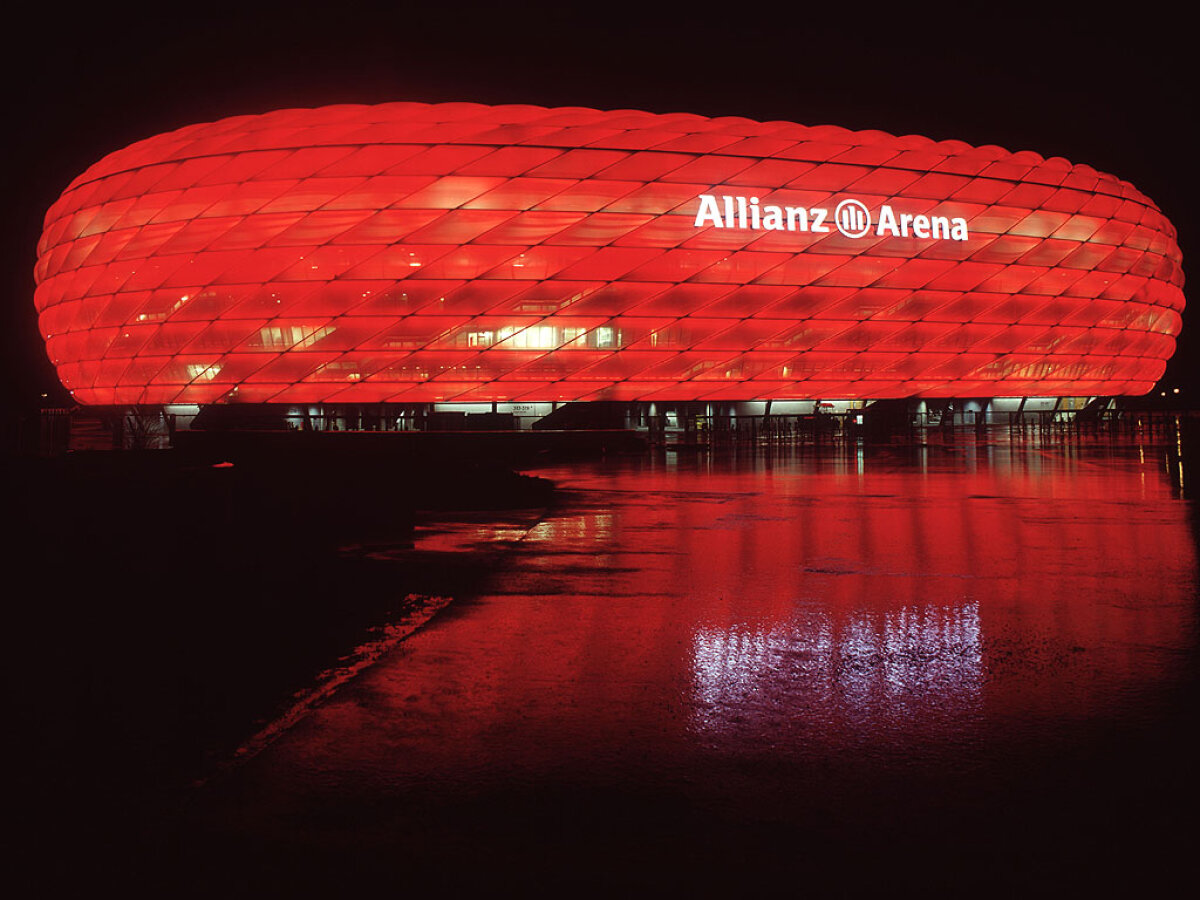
column 850, row 217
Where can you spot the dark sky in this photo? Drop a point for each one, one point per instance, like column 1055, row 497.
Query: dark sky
column 1116, row 92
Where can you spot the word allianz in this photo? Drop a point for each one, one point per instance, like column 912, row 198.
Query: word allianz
column 850, row 217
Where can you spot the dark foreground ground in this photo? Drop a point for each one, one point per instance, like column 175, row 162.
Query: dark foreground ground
column 967, row 669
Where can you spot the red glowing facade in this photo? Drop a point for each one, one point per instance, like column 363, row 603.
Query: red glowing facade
column 416, row 253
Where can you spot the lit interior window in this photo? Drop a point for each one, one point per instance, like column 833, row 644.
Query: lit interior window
column 201, row 372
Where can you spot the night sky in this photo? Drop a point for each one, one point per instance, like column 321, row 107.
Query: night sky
column 1117, row 93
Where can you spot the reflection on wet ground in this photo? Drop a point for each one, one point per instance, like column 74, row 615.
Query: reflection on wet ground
column 858, row 669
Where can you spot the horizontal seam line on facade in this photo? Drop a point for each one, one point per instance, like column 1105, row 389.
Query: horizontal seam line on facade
column 1142, row 199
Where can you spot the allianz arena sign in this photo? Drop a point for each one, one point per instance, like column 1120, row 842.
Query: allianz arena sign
column 416, row 253
column 851, row 217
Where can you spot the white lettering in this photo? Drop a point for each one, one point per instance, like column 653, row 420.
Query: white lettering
column 852, row 219
column 708, row 212
column 887, row 223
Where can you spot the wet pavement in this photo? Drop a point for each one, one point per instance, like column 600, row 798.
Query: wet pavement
column 966, row 669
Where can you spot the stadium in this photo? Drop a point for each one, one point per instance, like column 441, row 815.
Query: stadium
column 384, row 264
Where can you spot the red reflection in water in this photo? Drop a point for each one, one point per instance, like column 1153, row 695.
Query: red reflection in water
column 673, row 616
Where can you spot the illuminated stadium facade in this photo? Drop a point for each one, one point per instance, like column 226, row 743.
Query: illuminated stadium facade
column 416, row 254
